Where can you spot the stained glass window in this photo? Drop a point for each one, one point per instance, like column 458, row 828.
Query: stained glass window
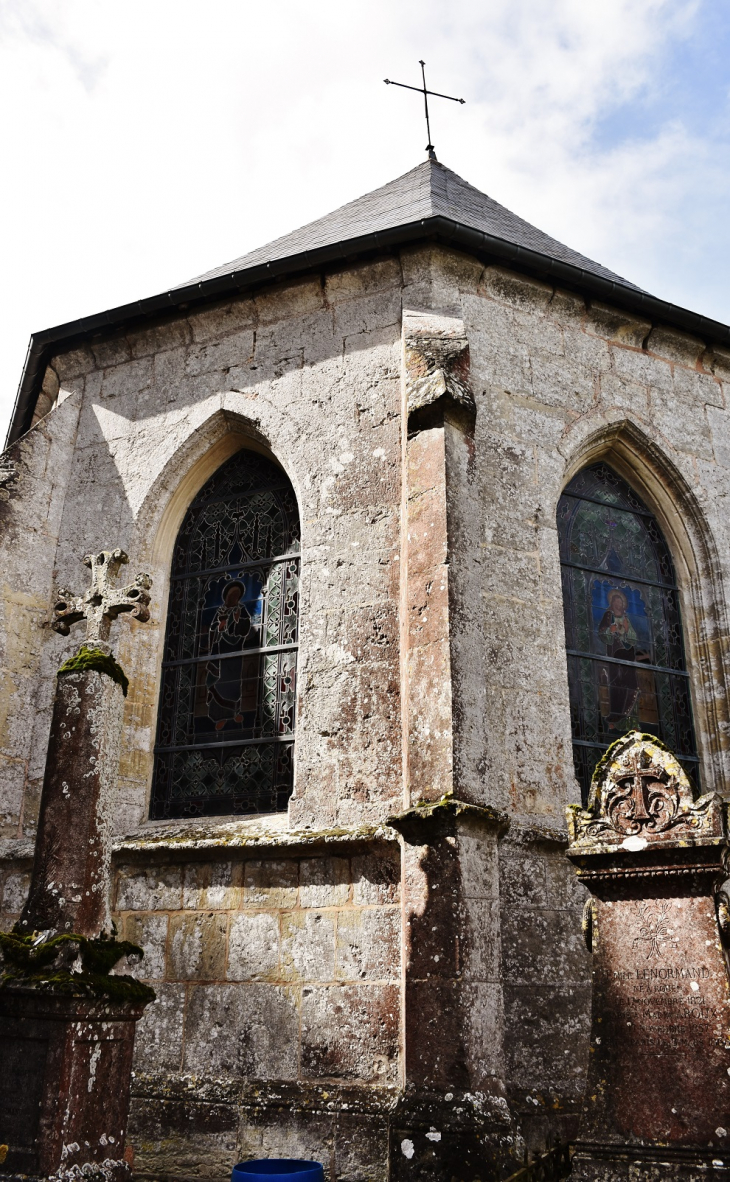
column 225, row 729
column 626, row 662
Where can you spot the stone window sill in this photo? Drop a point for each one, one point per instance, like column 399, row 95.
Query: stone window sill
column 216, row 833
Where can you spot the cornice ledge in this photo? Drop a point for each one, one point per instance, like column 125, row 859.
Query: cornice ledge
column 430, row 820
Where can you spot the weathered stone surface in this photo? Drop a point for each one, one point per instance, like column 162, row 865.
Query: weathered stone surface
column 235, row 1031
column 253, row 947
column 368, row 944
column 64, row 1088
column 197, row 946
column 158, row 1045
column 271, row 883
column 658, row 1085
column 350, row 1032
column 431, row 663
column 71, row 873
column 325, row 882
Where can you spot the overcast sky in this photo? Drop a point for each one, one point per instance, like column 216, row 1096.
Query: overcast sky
column 146, row 141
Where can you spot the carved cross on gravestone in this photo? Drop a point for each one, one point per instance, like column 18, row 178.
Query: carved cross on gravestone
column 103, row 602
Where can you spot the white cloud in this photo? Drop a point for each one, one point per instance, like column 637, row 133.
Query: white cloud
column 146, row 142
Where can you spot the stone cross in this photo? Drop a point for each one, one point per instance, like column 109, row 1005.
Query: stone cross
column 426, row 92
column 103, row 602
column 70, row 883
column 66, row 1084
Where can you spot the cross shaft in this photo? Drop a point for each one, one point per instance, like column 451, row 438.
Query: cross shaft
column 103, row 602
column 425, row 92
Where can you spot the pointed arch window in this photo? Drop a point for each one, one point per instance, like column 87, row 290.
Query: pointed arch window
column 225, row 729
column 623, row 628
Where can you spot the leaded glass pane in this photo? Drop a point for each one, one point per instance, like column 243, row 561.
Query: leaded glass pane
column 626, row 664
column 226, row 718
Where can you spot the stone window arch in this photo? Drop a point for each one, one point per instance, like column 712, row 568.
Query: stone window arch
column 624, row 637
column 226, row 718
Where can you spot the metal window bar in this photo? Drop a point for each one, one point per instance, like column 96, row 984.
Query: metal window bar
column 606, row 660
column 227, row 743
column 613, row 577
column 244, row 652
column 251, row 565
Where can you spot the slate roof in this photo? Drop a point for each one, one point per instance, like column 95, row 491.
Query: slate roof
column 428, row 191
column 428, row 203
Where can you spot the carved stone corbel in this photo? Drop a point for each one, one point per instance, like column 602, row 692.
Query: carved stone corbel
column 437, row 370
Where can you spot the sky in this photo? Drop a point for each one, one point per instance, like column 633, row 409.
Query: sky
column 148, row 141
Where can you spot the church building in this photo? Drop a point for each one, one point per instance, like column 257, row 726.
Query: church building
column 434, row 509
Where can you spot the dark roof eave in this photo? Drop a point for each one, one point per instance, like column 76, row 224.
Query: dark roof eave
column 478, row 242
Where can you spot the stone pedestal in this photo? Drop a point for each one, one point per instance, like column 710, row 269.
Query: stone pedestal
column 452, row 1120
column 64, row 1084
column 657, row 1102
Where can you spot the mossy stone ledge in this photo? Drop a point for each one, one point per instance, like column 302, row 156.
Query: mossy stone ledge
column 93, row 658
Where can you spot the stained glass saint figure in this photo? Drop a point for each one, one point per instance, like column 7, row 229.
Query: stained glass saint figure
column 226, row 720
column 626, row 662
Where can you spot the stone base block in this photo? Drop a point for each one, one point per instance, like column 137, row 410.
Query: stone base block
column 64, row 1084
column 631, row 1164
column 451, row 1137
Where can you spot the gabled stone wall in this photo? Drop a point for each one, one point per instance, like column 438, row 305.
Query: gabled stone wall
column 328, row 998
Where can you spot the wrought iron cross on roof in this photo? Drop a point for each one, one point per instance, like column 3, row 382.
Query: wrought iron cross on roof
column 425, row 92
column 103, row 602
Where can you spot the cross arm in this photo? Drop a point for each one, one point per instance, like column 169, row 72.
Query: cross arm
column 420, row 90
column 67, row 610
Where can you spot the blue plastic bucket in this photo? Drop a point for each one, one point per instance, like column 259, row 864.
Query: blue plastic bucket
column 278, row 1169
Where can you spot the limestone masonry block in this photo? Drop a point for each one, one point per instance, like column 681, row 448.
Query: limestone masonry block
column 308, row 946
column 517, row 290
column 242, row 1032
column 271, row 883
column 197, row 946
column 149, row 931
column 675, row 345
column 209, row 885
column 350, row 1032
column 614, row 325
column 159, row 1039
column 362, row 280
column 253, row 947
column 325, row 882
column 149, row 889
column 368, row 944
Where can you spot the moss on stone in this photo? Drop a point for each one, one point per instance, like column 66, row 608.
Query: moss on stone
column 71, row 964
column 93, row 658
column 609, row 754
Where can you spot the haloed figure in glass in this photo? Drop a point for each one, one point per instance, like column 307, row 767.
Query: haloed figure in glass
column 225, row 729
column 623, row 629
column 224, row 680
column 619, row 689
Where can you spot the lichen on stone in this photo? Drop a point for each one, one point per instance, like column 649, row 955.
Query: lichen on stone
column 93, row 658
column 71, row 964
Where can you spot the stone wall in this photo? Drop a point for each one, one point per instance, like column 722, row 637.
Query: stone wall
column 268, row 971
column 291, row 987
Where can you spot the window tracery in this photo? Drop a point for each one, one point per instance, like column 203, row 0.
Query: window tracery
column 623, row 627
column 225, row 728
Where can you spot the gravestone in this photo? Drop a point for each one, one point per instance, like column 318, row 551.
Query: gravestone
column 66, row 1021
column 657, row 1101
